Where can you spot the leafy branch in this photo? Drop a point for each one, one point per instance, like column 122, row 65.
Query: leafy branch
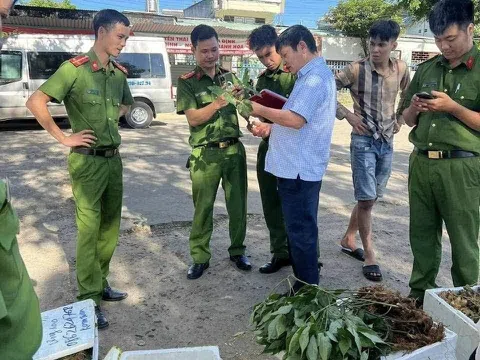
column 317, row 323
column 236, row 94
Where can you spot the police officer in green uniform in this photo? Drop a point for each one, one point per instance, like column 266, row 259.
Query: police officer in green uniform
column 217, row 154
column 20, row 321
column 444, row 172
column 278, row 79
column 95, row 92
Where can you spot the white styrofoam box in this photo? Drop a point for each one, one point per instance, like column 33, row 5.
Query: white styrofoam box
column 113, row 354
column 194, row 353
column 477, row 355
column 468, row 334
column 444, row 350
column 67, row 330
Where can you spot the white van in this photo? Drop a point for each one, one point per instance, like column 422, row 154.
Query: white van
column 27, row 60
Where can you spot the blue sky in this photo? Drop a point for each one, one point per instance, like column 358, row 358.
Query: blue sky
column 296, row 12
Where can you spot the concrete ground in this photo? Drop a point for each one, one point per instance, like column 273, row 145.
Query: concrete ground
column 164, row 309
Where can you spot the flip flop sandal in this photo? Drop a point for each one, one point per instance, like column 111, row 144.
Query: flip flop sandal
column 356, row 254
column 372, row 272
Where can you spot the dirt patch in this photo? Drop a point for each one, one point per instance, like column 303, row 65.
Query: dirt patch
column 164, row 309
column 409, row 328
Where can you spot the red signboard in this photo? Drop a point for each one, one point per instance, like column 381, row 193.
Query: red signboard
column 176, row 44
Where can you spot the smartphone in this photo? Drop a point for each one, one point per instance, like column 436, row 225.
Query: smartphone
column 425, row 95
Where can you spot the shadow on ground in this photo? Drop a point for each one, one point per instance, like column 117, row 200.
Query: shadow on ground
column 164, row 309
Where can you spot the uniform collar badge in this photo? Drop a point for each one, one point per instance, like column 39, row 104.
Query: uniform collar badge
column 470, row 62
column 95, row 66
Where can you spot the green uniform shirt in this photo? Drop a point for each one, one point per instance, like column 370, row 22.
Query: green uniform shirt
column 92, row 96
column 279, row 81
column 442, row 131
column 193, row 93
column 20, row 321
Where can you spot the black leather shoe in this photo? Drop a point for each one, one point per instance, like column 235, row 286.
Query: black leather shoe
column 196, row 270
column 242, row 262
column 274, row 265
column 113, row 295
column 102, row 321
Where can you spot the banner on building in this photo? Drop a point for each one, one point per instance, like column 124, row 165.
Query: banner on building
column 181, row 44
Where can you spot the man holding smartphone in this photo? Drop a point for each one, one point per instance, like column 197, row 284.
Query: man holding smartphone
column 444, row 173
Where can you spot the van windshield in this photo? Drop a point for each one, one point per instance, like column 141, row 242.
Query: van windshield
column 10, row 66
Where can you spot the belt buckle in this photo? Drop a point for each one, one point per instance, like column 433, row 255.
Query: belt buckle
column 109, row 153
column 435, row 155
column 223, row 144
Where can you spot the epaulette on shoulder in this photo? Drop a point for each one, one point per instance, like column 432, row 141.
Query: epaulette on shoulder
column 262, row 73
column 79, row 60
column 121, row 67
column 187, row 75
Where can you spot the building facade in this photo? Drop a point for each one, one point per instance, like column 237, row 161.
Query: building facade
column 238, row 11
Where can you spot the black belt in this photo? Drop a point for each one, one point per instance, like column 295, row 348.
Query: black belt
column 447, row 154
column 107, row 153
column 222, row 144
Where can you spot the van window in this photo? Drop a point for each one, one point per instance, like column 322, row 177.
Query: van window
column 158, row 66
column 143, row 65
column 42, row 65
column 10, row 66
column 138, row 65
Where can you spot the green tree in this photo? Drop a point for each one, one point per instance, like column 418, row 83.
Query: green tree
column 419, row 9
column 63, row 4
column 355, row 17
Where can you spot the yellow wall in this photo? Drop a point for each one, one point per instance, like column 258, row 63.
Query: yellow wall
column 251, row 8
column 220, row 14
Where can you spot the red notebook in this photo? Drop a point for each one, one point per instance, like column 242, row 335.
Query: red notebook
column 270, row 99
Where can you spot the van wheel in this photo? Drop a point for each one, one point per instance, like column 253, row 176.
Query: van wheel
column 140, row 115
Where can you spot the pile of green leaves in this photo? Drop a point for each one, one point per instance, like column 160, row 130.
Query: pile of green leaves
column 317, row 324
column 229, row 92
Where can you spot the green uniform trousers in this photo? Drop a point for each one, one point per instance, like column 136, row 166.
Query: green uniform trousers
column 207, row 167
column 98, row 189
column 272, row 206
column 448, row 190
column 20, row 321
